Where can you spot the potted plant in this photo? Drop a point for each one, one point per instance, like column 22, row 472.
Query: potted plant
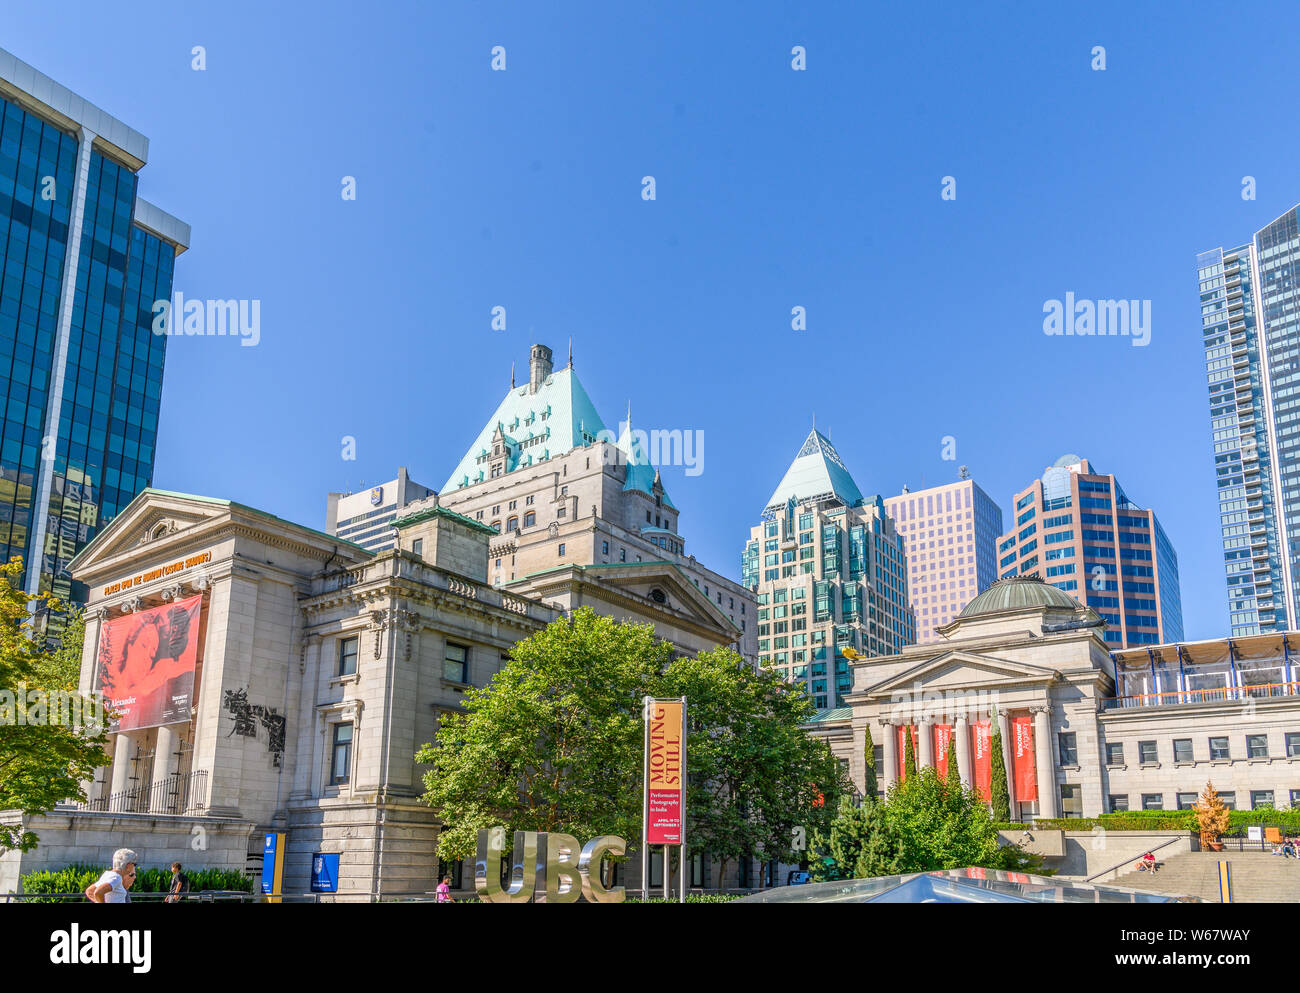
column 1212, row 818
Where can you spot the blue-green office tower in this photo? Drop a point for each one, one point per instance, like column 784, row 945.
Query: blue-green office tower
column 82, row 261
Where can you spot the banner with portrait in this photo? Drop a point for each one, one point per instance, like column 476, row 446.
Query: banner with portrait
column 146, row 664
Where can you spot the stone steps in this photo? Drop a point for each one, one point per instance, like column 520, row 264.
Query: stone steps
column 1257, row 877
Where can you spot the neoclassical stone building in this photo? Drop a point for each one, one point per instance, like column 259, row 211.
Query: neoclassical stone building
column 320, row 670
column 1084, row 730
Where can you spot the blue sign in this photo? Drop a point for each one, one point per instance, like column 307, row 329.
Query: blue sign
column 324, row 873
column 270, row 858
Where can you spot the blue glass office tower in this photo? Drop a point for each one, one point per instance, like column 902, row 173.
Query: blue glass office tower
column 1250, row 322
column 82, row 260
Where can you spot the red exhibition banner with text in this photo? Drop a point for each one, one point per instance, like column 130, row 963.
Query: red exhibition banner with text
column 1026, row 773
column 983, row 734
column 665, row 801
column 942, row 735
column 902, row 749
column 146, row 664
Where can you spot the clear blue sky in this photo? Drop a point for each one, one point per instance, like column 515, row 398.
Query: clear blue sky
column 775, row 188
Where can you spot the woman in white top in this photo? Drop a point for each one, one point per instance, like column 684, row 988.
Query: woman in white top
column 111, row 887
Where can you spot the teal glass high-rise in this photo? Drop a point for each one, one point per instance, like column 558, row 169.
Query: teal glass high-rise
column 1250, row 323
column 82, row 261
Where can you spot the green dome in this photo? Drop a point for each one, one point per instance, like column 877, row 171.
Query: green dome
column 1018, row 593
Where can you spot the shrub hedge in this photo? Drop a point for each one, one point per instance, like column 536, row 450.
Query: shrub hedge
column 74, row 879
column 1170, row 820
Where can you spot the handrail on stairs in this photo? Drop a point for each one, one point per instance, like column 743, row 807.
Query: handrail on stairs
column 1166, row 844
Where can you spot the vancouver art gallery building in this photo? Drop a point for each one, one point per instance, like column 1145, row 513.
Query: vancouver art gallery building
column 1084, row 730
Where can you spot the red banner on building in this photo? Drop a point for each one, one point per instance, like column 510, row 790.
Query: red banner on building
column 942, row 736
column 146, row 664
column 1022, row 752
column 666, row 778
column 982, row 744
column 902, row 750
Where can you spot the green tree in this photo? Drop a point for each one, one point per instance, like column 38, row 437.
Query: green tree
column 953, row 781
column 999, row 792
column 856, row 845
column 755, row 774
column 42, row 761
column 870, row 785
column 909, row 753
column 61, row 668
column 554, row 741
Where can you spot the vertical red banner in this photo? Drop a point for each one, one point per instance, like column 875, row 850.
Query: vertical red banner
column 982, row 734
column 666, row 785
column 942, row 736
column 902, row 750
column 1026, row 772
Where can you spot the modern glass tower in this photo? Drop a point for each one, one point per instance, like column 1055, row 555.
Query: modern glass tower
column 1077, row 530
column 1250, row 322
column 830, row 573
column 82, row 261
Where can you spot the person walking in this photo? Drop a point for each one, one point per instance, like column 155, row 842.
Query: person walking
column 180, row 885
column 112, row 886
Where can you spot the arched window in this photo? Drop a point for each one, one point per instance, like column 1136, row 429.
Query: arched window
column 496, row 526
column 530, row 519
column 512, row 524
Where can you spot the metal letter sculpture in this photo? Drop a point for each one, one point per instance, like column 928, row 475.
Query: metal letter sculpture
column 546, row 868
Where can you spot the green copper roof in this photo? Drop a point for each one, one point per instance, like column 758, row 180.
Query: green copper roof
column 556, row 419
column 834, row 714
column 428, row 512
column 1018, row 593
column 817, row 471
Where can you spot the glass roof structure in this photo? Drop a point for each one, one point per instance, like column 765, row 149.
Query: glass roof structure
column 960, row 886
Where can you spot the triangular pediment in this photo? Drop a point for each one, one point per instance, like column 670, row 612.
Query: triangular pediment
column 653, row 580
column 153, row 516
column 960, row 670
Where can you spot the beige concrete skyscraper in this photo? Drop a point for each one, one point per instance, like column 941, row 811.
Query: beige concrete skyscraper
column 951, row 535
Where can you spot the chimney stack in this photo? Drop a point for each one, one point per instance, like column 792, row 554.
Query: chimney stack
column 539, row 367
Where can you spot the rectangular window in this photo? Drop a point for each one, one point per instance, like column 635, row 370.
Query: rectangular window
column 1117, row 802
column 1186, row 801
column 1295, row 799
column 1257, row 746
column 1293, row 744
column 1153, row 801
column 1147, row 752
column 1261, row 798
column 1115, row 754
column 417, row 547
column 1182, row 749
column 561, row 548
column 455, row 663
column 1229, row 800
column 341, row 766
column 1068, row 748
column 1219, row 749
column 1071, row 800
column 348, row 656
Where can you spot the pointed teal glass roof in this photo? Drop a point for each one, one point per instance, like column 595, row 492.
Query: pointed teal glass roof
column 816, row 472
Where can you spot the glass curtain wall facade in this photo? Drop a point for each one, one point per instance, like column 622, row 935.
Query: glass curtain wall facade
column 1076, row 529
column 1250, row 324
column 80, row 367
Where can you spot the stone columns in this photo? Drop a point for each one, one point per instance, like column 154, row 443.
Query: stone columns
column 1047, row 791
column 891, row 754
column 163, row 756
column 925, row 739
column 122, row 750
column 1008, row 750
column 962, row 731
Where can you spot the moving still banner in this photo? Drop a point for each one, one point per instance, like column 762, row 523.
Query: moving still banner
column 146, row 664
column 666, row 779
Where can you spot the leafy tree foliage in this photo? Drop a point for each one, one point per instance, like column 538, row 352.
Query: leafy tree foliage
column 909, row 753
column 871, row 785
column 42, row 761
column 554, row 743
column 953, row 780
column 999, row 792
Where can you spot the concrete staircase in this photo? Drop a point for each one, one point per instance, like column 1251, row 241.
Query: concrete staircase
column 1257, row 877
